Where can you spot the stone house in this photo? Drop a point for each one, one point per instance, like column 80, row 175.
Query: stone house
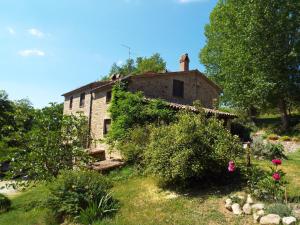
column 179, row 88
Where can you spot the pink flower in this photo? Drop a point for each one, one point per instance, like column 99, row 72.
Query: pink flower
column 276, row 161
column 276, row 176
column 231, row 166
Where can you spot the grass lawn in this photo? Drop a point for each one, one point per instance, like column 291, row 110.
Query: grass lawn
column 143, row 203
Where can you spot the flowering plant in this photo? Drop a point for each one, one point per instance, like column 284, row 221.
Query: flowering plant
column 231, row 166
column 267, row 185
column 276, row 162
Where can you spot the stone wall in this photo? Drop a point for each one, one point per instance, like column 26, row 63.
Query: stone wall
column 161, row 86
column 75, row 106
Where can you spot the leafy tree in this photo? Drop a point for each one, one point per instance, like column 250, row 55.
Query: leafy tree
column 16, row 120
column 154, row 63
column 55, row 143
column 123, row 70
column 253, row 52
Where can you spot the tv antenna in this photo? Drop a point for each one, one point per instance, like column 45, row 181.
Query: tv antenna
column 129, row 50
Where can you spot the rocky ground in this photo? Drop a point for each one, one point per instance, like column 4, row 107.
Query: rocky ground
column 241, row 205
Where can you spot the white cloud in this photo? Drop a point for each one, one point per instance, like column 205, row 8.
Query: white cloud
column 11, row 30
column 31, row 52
column 35, row 32
column 191, row 1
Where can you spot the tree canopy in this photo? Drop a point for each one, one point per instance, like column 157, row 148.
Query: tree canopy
column 154, row 63
column 253, row 52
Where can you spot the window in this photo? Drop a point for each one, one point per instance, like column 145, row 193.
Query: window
column 108, row 96
column 82, row 100
column 178, row 88
column 71, row 102
column 106, row 126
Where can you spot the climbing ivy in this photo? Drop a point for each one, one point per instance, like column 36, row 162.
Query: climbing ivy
column 132, row 109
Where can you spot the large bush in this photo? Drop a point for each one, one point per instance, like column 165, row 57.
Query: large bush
column 191, row 148
column 133, row 146
column 75, row 192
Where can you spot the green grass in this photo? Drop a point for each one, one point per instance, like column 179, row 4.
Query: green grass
column 143, row 202
column 26, row 208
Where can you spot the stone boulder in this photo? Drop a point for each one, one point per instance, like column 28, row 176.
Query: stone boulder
column 236, row 209
column 249, row 200
column 247, row 209
column 289, row 220
column 228, row 201
column 228, row 204
column 258, row 206
column 256, row 218
column 270, row 219
column 260, row 212
column 296, row 213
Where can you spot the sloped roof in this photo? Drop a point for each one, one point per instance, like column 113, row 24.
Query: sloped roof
column 92, row 85
column 100, row 84
column 207, row 111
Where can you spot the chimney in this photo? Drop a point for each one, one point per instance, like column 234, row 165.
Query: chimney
column 184, row 62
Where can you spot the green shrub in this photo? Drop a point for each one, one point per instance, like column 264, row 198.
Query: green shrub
column 276, row 151
column 5, row 203
column 133, row 146
column 285, row 138
column 74, row 191
column 273, row 137
column 280, row 209
column 267, row 150
column 191, row 148
column 98, row 209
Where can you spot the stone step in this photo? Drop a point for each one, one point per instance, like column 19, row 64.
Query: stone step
column 107, row 165
column 97, row 153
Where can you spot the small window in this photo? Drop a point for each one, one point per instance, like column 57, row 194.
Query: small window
column 82, row 100
column 178, row 88
column 106, row 126
column 108, row 97
column 71, row 102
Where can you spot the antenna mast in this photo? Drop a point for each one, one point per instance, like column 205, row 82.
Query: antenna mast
column 129, row 51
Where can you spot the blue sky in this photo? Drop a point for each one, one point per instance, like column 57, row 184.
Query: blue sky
column 49, row 47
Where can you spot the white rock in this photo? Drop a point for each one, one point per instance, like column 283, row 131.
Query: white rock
column 247, row 209
column 256, row 218
column 236, row 209
column 296, row 213
column 242, row 197
column 228, row 201
column 228, row 207
column 249, row 199
column 258, row 206
column 289, row 220
column 270, row 219
column 260, row 212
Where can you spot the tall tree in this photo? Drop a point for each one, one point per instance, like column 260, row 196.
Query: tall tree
column 154, row 63
column 253, row 52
